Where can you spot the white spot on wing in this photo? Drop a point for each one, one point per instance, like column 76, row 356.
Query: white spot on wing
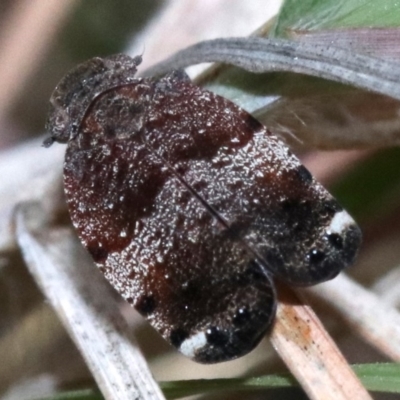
column 340, row 222
column 193, row 343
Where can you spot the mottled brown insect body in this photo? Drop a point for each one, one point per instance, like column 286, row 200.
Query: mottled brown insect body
column 189, row 205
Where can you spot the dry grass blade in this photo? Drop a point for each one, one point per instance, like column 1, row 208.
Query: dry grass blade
column 379, row 42
column 86, row 306
column 372, row 319
column 388, row 287
column 310, row 353
column 260, row 55
column 28, row 172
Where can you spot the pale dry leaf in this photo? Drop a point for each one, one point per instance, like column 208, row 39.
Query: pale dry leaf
column 85, row 304
column 387, row 287
column 29, row 172
column 311, row 354
column 261, row 55
column 369, row 317
column 379, row 42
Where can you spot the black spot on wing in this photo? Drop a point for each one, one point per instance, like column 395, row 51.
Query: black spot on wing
column 315, row 256
column 216, row 337
column 241, row 317
column 331, row 207
column 335, row 240
column 178, row 336
column 304, row 174
column 99, row 254
column 146, row 305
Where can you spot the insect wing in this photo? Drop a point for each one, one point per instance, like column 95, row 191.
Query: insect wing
column 188, row 205
column 156, row 243
column 251, row 182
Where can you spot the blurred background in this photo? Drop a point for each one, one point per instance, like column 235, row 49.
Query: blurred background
column 40, row 40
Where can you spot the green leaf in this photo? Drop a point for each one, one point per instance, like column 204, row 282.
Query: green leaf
column 380, row 377
column 177, row 389
column 84, row 394
column 375, row 377
column 373, row 188
column 328, row 14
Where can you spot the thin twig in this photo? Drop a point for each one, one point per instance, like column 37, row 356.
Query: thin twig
column 387, row 287
column 311, row 354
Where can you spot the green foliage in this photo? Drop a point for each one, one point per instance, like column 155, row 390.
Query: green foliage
column 330, row 14
column 374, row 187
column 383, row 377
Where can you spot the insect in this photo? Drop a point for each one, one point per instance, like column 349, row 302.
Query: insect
column 190, row 206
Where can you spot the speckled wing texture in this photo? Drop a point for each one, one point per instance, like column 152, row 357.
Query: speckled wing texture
column 252, row 182
column 189, row 206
